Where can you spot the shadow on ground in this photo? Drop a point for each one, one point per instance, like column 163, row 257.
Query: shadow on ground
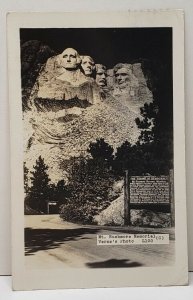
column 45, row 239
column 114, row 263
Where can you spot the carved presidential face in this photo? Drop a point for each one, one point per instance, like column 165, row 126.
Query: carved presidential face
column 87, row 65
column 70, row 59
column 101, row 76
column 122, row 77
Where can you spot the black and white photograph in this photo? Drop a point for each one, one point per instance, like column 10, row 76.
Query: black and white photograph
column 97, row 113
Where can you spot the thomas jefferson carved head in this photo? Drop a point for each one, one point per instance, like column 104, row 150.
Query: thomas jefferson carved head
column 88, row 65
column 101, row 75
column 70, row 59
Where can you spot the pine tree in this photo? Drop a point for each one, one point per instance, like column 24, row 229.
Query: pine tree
column 39, row 192
column 128, row 157
column 148, row 123
column 61, row 192
column 25, row 173
column 100, row 150
column 156, row 139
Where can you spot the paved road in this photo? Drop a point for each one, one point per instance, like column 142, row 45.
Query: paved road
column 50, row 242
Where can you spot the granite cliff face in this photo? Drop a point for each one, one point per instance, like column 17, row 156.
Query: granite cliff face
column 68, row 111
column 34, row 55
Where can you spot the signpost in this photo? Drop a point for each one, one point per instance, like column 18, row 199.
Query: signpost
column 150, row 191
column 50, row 203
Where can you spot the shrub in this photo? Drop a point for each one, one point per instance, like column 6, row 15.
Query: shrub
column 89, row 187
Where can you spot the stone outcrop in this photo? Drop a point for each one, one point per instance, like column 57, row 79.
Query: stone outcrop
column 34, row 55
column 144, row 93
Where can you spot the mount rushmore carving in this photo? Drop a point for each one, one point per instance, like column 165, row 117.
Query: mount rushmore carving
column 75, row 101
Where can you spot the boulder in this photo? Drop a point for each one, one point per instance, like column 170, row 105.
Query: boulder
column 114, row 215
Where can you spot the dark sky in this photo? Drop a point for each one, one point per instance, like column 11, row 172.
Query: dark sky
column 108, row 45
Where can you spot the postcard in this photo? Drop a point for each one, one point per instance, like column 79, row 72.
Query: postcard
column 97, row 149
